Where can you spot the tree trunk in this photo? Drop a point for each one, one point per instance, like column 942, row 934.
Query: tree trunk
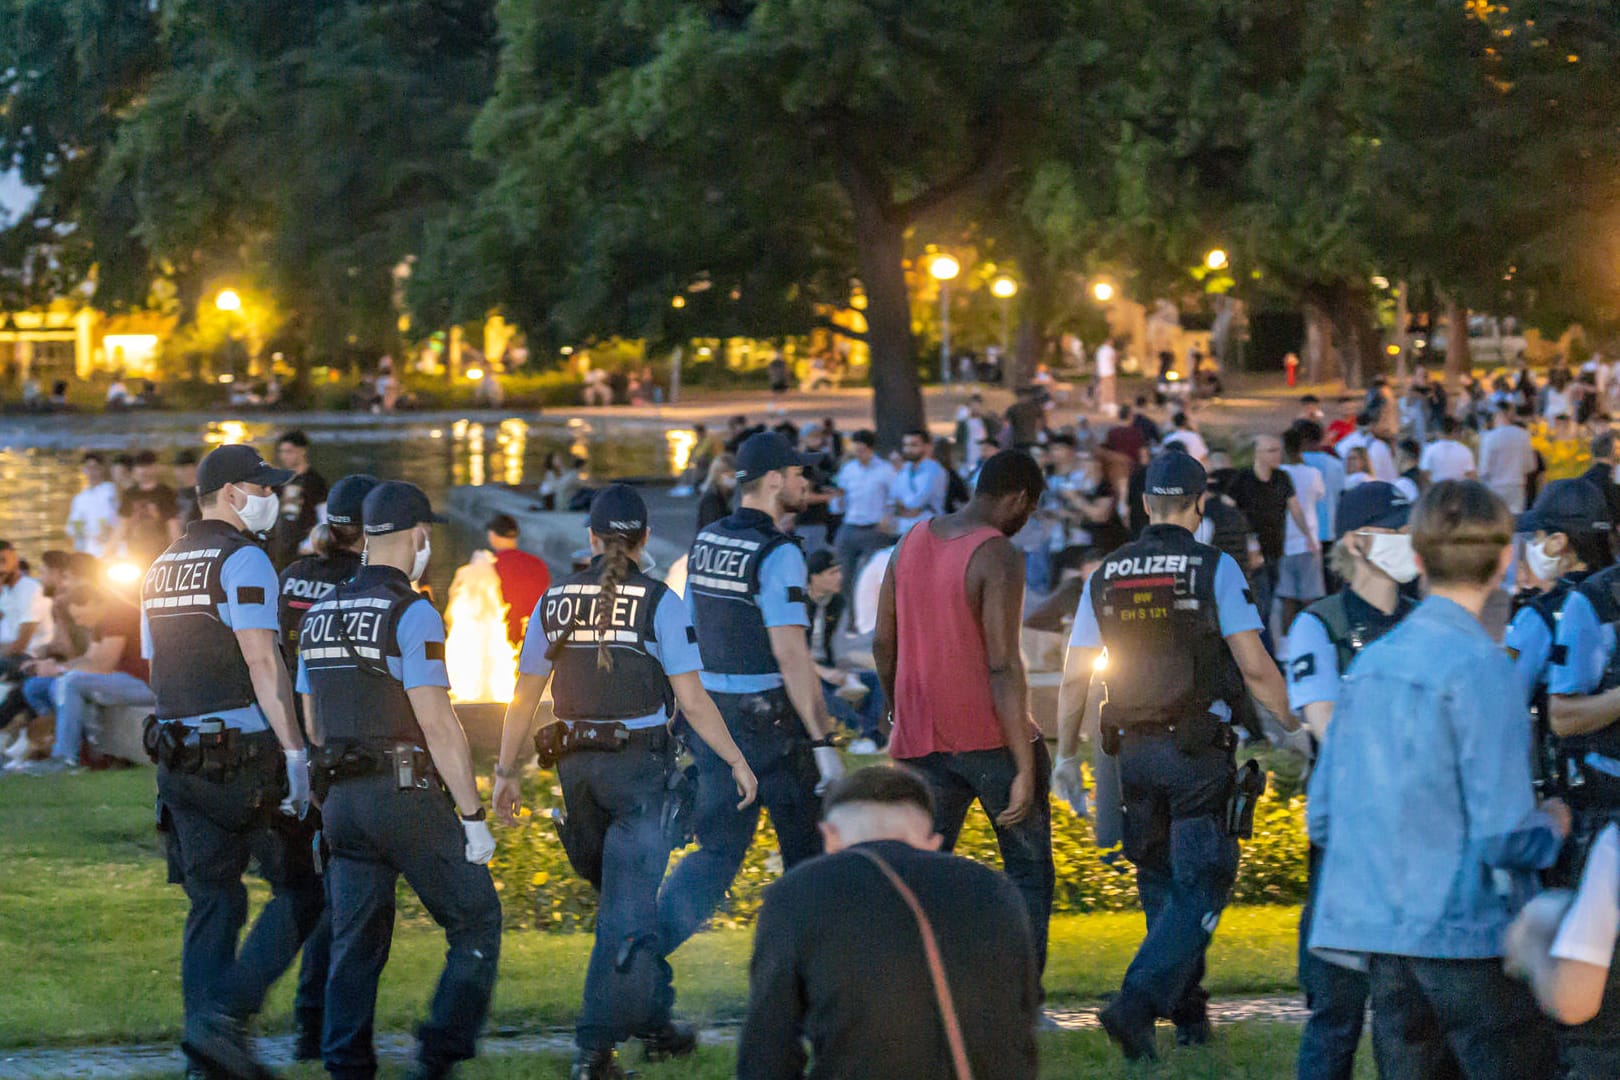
column 1459, row 352
column 1035, row 302
column 1321, row 362
column 1352, row 316
column 897, row 404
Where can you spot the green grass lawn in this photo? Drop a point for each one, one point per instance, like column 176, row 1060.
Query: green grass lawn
column 91, row 933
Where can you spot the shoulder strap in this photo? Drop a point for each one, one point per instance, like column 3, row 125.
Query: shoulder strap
column 936, row 966
column 1330, row 609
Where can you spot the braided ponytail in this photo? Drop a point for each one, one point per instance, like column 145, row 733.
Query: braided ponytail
column 616, row 567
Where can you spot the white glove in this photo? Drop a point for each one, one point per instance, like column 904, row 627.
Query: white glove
column 1069, row 785
column 296, row 804
column 829, row 765
column 480, row 842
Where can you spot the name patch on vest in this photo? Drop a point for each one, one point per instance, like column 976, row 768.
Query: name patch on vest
column 1143, row 565
column 575, row 610
column 181, row 580
column 336, row 632
column 307, row 590
column 721, row 562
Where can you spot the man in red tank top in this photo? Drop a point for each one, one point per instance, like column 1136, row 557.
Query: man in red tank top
column 947, row 655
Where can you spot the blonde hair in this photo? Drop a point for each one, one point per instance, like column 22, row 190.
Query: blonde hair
column 1459, row 530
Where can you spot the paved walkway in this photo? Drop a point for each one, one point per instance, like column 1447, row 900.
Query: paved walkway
column 127, row 1062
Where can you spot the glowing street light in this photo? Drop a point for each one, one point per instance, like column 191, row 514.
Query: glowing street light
column 1216, row 259
column 1004, row 289
column 475, row 374
column 1103, row 292
column 228, row 300
column 678, row 302
column 942, row 268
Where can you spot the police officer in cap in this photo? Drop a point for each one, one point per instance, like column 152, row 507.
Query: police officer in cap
column 746, row 583
column 399, row 794
column 232, row 769
column 618, row 650
column 338, row 544
column 1373, row 554
column 1183, row 647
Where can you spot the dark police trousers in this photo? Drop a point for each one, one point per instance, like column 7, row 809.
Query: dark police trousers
column 378, row 833
column 309, row 1005
column 1175, row 834
column 1439, row 1019
column 615, row 802
column 1026, row 848
column 1336, row 997
column 768, row 732
column 216, row 827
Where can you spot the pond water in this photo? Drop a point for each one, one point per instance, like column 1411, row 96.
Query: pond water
column 39, row 457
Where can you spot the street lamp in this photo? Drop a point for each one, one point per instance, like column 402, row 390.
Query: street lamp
column 942, row 268
column 677, row 302
column 1103, row 292
column 1216, row 259
column 1004, row 289
column 228, row 300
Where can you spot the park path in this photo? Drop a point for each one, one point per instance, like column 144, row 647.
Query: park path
column 128, row 1062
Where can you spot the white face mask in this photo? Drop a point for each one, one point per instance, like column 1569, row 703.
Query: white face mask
column 1392, row 553
column 419, row 567
column 1205, row 531
column 259, row 512
column 1541, row 564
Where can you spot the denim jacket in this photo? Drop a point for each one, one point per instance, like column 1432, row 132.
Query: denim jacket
column 1422, row 795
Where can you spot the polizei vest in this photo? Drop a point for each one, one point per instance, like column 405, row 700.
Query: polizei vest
column 345, row 643
column 1154, row 600
column 722, row 578
column 635, row 685
column 1348, row 636
column 197, row 665
column 306, row 583
column 1596, row 757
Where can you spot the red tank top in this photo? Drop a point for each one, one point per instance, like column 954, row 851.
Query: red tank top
column 942, row 678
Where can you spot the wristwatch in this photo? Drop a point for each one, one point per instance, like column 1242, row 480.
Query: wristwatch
column 823, row 743
column 479, row 816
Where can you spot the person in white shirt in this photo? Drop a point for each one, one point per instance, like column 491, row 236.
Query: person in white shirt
column 863, row 482
column 1299, row 573
column 1379, row 458
column 1182, row 432
column 1506, row 458
column 917, row 491
column 1446, row 458
column 1332, row 469
column 94, row 513
column 25, row 610
column 1107, row 372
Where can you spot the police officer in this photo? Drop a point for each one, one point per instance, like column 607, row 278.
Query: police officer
column 400, row 797
column 1373, row 554
column 338, row 544
column 228, row 751
column 616, row 647
column 1183, row 646
column 746, row 584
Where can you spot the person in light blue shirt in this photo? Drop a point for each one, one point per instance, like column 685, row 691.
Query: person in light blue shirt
column 917, row 491
column 1423, row 802
column 1332, row 469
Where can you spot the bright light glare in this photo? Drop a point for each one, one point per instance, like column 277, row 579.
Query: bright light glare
column 678, row 302
column 1101, row 663
column 123, row 572
column 1216, row 259
column 228, row 300
column 943, row 268
column 475, row 373
column 1103, row 291
column 1004, row 288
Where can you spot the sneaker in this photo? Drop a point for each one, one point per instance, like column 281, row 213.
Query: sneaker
column 670, row 1041
column 853, row 691
column 308, row 1047
column 49, row 767
column 596, row 1065
column 1134, row 1039
column 865, row 745
column 20, row 747
column 221, row 1042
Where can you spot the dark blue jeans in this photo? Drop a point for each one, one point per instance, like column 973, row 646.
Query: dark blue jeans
column 1026, row 848
column 771, row 738
column 378, row 833
column 1336, row 997
column 614, row 804
column 216, row 828
column 1175, row 834
column 1444, row 1019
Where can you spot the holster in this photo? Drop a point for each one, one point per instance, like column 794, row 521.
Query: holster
column 1247, row 788
column 213, row 755
column 557, row 740
column 679, row 816
column 341, row 761
column 549, row 743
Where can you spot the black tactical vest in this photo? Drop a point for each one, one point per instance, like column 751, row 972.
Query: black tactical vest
column 722, row 581
column 1154, row 600
column 345, row 643
column 197, row 665
column 1597, row 755
column 1349, row 636
column 307, row 582
column 636, row 684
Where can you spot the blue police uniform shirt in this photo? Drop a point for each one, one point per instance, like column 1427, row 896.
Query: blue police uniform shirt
column 1234, row 610
column 1530, row 643
column 247, row 573
column 1313, row 663
column 419, row 626
column 1587, row 644
column 783, row 580
column 675, row 649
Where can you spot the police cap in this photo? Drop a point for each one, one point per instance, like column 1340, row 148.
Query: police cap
column 345, row 502
column 1373, row 504
column 1174, row 472
column 237, row 464
column 764, row 452
column 394, row 506
column 1573, row 507
column 618, row 508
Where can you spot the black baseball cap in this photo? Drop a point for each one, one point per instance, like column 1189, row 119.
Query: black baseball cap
column 1572, row 507
column 237, row 464
column 394, row 506
column 1373, row 504
column 1173, row 473
column 346, row 501
column 764, row 452
column 820, row 561
column 618, row 508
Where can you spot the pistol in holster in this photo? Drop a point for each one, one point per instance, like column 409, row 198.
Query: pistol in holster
column 339, row 761
column 679, row 816
column 1247, row 788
